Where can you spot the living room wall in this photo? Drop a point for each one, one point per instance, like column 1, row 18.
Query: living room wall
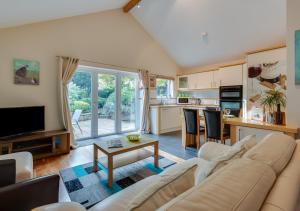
column 111, row 37
column 293, row 91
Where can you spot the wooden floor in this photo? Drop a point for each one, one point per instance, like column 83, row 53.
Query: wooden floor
column 76, row 157
column 168, row 142
column 52, row 165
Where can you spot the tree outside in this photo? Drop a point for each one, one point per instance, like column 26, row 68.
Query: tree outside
column 162, row 87
column 80, row 94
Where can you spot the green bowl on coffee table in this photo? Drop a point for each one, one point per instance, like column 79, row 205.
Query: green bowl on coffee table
column 134, row 137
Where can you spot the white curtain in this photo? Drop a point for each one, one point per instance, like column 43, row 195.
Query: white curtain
column 67, row 67
column 144, row 81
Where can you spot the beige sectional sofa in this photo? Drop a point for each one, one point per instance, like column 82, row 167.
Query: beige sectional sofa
column 265, row 177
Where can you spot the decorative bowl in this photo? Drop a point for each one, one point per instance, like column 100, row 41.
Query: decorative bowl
column 134, row 137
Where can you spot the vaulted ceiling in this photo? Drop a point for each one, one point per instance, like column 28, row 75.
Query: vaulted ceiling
column 193, row 32
column 18, row 12
column 233, row 27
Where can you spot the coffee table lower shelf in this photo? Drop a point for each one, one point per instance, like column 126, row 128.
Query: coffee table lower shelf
column 123, row 156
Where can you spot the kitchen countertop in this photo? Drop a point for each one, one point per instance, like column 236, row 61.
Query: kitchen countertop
column 183, row 105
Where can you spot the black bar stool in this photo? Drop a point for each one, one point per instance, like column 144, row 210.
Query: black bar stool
column 192, row 125
column 214, row 127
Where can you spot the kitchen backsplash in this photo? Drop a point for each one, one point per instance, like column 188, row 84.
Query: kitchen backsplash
column 200, row 94
column 208, row 97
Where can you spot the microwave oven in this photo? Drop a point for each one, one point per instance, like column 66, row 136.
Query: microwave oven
column 183, row 100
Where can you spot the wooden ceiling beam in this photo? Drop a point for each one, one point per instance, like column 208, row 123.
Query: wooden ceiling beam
column 131, row 4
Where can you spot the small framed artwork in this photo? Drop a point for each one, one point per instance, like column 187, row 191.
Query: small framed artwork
column 257, row 114
column 26, row 72
column 152, row 83
column 297, row 57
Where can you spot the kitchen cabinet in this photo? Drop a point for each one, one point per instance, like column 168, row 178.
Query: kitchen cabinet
column 216, row 79
column 230, row 76
column 202, row 80
column 183, row 82
column 225, row 76
column 165, row 119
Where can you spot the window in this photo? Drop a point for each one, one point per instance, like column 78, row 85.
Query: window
column 164, row 88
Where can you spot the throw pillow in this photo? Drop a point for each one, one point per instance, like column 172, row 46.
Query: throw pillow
column 234, row 152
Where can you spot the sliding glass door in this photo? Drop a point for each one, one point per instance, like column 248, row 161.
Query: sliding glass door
column 111, row 102
column 106, row 104
column 80, row 99
column 129, row 103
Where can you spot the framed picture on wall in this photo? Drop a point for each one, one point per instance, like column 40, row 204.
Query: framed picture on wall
column 26, row 72
column 297, row 57
column 152, row 82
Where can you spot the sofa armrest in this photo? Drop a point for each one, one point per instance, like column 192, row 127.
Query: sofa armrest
column 8, row 172
column 63, row 206
column 24, row 196
column 211, row 150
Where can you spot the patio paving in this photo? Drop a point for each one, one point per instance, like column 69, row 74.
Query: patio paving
column 105, row 126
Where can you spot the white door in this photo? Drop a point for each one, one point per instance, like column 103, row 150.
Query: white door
column 230, row 76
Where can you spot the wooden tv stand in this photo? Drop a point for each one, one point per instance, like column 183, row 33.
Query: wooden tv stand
column 40, row 144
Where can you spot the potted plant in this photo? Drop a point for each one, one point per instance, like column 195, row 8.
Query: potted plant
column 272, row 99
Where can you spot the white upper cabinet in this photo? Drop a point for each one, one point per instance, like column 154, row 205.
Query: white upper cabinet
column 216, row 80
column 225, row 76
column 183, row 82
column 201, row 80
column 205, row 80
column 232, row 75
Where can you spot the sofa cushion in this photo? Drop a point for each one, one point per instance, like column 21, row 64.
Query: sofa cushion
column 274, row 150
column 121, row 200
column 284, row 194
column 246, row 143
column 169, row 184
column 211, row 150
column 241, row 185
column 224, row 157
column 62, row 206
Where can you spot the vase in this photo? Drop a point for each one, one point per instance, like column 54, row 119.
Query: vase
column 278, row 116
column 270, row 117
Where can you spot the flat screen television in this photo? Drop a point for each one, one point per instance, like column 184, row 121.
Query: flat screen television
column 21, row 120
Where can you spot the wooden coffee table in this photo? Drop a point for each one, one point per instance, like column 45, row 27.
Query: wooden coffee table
column 127, row 148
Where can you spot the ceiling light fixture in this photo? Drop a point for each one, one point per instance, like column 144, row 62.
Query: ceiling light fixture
column 204, row 34
column 138, row 5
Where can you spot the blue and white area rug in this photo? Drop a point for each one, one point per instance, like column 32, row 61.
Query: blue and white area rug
column 88, row 188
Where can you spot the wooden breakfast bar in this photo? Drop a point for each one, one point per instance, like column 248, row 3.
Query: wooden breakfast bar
column 235, row 123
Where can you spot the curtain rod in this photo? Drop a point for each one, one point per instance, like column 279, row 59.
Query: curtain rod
column 101, row 63
column 130, row 68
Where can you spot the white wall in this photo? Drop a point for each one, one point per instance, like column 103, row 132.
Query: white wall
column 253, row 85
column 293, row 91
column 111, row 37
